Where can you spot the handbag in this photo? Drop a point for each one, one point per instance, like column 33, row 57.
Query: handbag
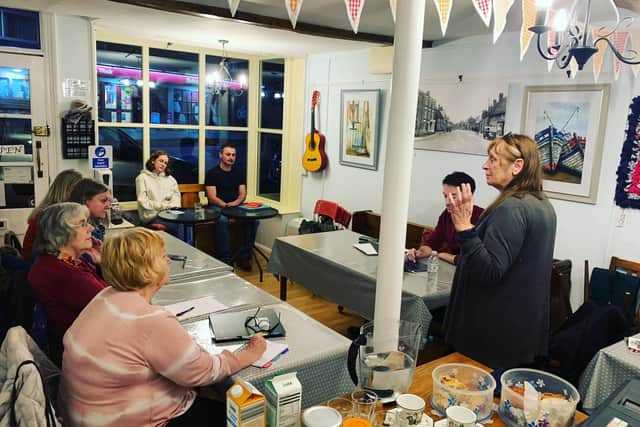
column 48, row 409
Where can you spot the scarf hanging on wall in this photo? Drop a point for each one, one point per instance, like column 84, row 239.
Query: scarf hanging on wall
column 628, row 188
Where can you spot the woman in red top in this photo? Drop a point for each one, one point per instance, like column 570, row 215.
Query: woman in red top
column 62, row 280
column 59, row 191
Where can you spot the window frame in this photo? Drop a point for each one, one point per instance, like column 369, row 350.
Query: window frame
column 291, row 151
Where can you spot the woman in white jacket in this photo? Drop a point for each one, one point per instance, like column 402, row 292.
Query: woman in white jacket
column 157, row 190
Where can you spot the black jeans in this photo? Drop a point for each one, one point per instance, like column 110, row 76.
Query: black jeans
column 202, row 413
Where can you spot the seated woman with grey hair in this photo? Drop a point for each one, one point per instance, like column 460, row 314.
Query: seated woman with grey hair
column 142, row 367
column 62, row 280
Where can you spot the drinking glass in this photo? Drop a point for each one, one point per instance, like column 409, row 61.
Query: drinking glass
column 342, row 405
column 364, row 404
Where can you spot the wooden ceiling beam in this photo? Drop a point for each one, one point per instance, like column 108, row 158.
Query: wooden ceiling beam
column 206, row 11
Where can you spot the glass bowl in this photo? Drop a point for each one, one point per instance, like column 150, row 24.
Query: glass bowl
column 551, row 400
column 463, row 385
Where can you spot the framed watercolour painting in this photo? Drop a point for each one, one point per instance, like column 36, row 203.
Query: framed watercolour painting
column 568, row 124
column 359, row 128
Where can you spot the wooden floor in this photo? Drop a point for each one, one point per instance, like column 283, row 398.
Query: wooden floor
column 314, row 306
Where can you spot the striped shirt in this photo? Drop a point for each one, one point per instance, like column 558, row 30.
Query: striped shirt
column 129, row 363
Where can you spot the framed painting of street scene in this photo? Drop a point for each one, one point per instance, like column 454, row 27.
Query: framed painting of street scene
column 568, row 124
column 460, row 117
column 359, row 138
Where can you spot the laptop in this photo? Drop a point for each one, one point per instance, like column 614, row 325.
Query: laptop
column 242, row 325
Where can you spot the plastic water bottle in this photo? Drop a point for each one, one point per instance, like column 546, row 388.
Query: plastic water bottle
column 432, row 270
column 116, row 212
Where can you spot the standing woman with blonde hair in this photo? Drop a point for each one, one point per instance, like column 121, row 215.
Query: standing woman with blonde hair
column 498, row 313
column 59, row 191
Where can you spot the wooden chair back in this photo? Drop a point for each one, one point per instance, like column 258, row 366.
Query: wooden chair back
column 190, row 194
column 368, row 223
column 625, row 266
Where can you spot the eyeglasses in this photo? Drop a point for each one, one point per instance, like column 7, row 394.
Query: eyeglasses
column 255, row 324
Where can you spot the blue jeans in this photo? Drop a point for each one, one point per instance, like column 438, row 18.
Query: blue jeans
column 223, row 244
column 172, row 227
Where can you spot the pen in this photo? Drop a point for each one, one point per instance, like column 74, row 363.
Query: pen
column 185, row 311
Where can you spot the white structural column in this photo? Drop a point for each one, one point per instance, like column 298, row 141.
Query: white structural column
column 397, row 169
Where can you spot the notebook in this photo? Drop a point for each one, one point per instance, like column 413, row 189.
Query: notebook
column 231, row 326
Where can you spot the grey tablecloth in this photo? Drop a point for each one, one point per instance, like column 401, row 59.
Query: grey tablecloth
column 316, row 353
column 329, row 266
column 610, row 368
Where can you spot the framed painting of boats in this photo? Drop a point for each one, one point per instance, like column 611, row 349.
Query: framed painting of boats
column 568, row 124
column 359, row 138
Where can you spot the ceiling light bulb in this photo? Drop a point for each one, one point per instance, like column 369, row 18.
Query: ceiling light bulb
column 209, row 79
column 139, row 83
column 543, row 4
column 276, row 95
column 242, row 79
column 216, row 76
column 125, row 82
column 560, row 20
column 152, row 85
column 262, row 94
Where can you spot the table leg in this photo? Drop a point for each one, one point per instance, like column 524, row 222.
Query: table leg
column 255, row 257
column 190, row 232
column 283, row 288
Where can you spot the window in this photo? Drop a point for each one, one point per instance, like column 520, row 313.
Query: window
column 246, row 112
column 19, row 28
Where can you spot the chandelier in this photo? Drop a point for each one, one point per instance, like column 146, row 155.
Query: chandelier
column 220, row 81
column 573, row 38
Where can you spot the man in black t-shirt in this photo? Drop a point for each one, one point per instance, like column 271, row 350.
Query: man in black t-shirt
column 226, row 186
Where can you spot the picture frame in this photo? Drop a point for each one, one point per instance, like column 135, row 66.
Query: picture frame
column 359, row 124
column 568, row 123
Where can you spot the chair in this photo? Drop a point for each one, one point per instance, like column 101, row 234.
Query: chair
column 334, row 211
column 368, row 223
column 190, row 194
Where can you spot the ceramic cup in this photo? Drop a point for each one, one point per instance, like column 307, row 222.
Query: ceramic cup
column 410, row 411
column 457, row 416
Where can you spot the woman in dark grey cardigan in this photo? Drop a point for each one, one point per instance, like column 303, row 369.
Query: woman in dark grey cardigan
column 498, row 313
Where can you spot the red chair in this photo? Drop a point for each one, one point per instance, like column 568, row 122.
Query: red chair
column 334, row 211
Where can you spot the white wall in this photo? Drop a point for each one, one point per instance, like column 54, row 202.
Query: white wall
column 584, row 231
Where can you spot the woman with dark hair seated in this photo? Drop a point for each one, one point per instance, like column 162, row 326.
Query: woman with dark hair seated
column 140, row 369
column 61, row 279
column 97, row 198
column 157, row 190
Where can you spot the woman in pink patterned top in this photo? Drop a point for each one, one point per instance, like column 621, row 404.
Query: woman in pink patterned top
column 129, row 363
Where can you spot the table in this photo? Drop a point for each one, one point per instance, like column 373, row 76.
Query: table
column 328, row 265
column 610, row 368
column 423, row 385
column 248, row 214
column 197, row 263
column 317, row 353
column 188, row 218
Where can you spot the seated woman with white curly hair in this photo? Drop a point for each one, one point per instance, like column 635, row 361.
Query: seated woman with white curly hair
column 129, row 363
column 63, row 281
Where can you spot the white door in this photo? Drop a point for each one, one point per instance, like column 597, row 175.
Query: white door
column 23, row 155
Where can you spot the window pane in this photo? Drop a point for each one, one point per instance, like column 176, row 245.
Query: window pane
column 173, row 84
column 271, row 93
column 20, row 28
column 182, row 146
column 119, row 69
column 227, row 91
column 15, row 93
column 269, row 166
column 214, row 139
column 127, row 158
column 15, row 140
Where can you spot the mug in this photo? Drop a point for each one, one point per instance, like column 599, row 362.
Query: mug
column 458, row 416
column 410, row 411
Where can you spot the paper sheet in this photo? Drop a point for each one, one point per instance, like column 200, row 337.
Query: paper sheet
column 201, row 306
column 366, row 248
column 274, row 349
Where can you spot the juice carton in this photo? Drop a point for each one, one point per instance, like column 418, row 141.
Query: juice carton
column 284, row 399
column 245, row 406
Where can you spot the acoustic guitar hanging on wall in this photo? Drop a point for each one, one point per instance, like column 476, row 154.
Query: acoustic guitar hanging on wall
column 314, row 158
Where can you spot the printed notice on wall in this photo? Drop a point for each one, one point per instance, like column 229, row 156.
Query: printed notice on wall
column 75, row 88
column 11, row 149
column 17, row 175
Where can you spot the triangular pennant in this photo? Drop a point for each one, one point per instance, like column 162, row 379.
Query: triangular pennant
column 484, row 9
column 552, row 38
column 620, row 39
column 392, row 5
column 233, row 6
column 500, row 11
column 599, row 56
column 293, row 9
column 444, row 12
column 354, row 9
column 528, row 20
column 573, row 65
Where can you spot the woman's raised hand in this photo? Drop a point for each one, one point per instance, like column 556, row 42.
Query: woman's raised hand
column 461, row 207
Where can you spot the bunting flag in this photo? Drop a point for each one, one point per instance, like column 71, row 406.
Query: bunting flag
column 354, row 10
column 528, row 20
column 392, row 4
column 484, row 8
column 500, row 11
column 444, row 12
column 293, row 9
column 233, row 6
column 599, row 56
column 574, row 67
column 620, row 39
column 552, row 38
